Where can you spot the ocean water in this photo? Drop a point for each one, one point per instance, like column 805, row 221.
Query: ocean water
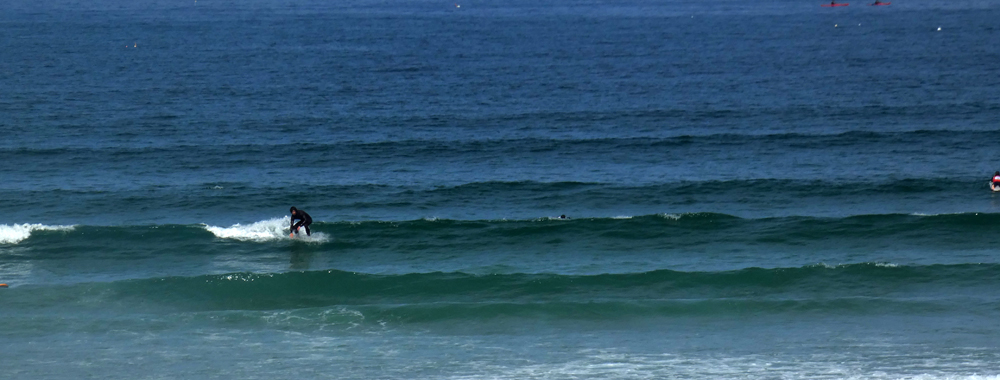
column 754, row 190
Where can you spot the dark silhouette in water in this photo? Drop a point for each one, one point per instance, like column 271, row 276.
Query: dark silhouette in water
column 304, row 221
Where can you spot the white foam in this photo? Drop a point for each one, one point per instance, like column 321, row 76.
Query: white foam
column 617, row 365
column 265, row 230
column 316, row 237
column 671, row 216
column 944, row 213
column 15, row 233
column 840, row 266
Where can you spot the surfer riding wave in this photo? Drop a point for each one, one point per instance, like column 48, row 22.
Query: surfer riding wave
column 304, row 220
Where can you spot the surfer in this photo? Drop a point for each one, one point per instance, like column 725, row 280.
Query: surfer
column 304, row 221
column 996, row 180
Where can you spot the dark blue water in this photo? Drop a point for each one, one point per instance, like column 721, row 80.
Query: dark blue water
column 766, row 189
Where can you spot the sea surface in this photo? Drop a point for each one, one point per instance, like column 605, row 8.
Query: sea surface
column 752, row 190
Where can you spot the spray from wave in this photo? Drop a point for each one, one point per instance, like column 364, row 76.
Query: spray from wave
column 15, row 233
column 274, row 229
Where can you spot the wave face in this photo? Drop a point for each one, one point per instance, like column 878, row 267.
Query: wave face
column 770, row 263
column 572, row 246
column 665, row 231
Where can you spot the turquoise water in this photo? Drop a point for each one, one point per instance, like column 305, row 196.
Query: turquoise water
column 754, row 190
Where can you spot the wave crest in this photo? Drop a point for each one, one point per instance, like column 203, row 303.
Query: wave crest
column 15, row 233
column 263, row 231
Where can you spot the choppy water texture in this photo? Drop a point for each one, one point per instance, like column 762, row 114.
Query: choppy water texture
column 758, row 190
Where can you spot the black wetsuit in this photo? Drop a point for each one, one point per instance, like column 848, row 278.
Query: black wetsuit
column 304, row 221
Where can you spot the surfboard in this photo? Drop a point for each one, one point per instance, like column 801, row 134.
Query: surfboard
column 994, row 188
column 836, row 5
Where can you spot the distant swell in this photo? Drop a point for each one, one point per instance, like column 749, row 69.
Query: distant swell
column 855, row 288
column 212, row 202
column 444, row 143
